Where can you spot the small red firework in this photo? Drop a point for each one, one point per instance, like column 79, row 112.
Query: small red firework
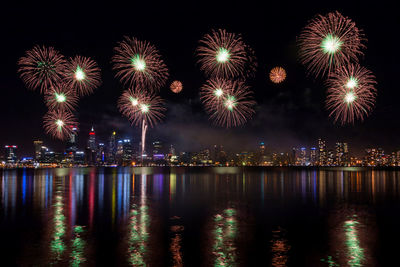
column 351, row 94
column 222, row 54
column 41, row 68
column 277, row 75
column 176, row 87
column 61, row 97
column 59, row 123
column 82, row 75
column 329, row 42
column 141, row 106
column 229, row 103
column 139, row 64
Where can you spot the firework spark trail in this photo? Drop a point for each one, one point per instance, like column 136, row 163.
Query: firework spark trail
column 229, row 103
column 222, row 54
column 42, row 68
column 82, row 75
column 59, row 123
column 329, row 42
column 139, row 64
column 351, row 94
column 61, row 97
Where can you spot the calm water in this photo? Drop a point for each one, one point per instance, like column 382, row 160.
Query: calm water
column 199, row 217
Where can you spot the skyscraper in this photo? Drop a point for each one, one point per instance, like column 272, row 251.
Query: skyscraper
column 313, row 156
column 11, row 156
column 91, row 147
column 322, row 153
column 72, row 144
column 112, row 149
column 38, row 147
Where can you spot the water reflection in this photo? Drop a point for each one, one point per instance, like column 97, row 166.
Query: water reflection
column 75, row 216
column 225, row 232
column 138, row 226
column 279, row 248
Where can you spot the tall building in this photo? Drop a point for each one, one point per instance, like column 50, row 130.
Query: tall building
column 38, row 147
column 313, row 156
column 91, row 147
column 11, row 154
column 100, row 158
column 127, row 152
column 322, row 152
column 158, row 148
column 112, row 148
column 339, row 150
column 303, row 158
column 72, row 144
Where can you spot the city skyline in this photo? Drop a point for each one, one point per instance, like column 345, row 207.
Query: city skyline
column 286, row 114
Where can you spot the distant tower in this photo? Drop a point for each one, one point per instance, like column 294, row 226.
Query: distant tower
column 72, row 144
column 313, row 156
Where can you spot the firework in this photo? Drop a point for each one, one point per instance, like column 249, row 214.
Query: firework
column 176, row 87
column 82, row 75
column 59, row 123
column 329, row 42
column 41, row 68
column 229, row 103
column 222, row 54
column 277, row 75
column 351, row 94
column 61, row 97
column 139, row 64
column 141, row 107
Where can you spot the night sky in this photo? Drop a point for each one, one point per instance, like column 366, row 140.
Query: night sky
column 288, row 114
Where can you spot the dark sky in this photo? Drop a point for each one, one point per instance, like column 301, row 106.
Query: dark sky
column 289, row 114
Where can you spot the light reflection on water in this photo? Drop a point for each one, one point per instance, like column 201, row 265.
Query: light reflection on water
column 147, row 216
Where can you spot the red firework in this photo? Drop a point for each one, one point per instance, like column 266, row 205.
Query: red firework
column 139, row 64
column 230, row 103
column 41, row 68
column 176, row 87
column 59, row 123
column 222, row 54
column 82, row 75
column 351, row 94
column 61, row 97
column 141, row 106
column 329, row 42
column 277, row 75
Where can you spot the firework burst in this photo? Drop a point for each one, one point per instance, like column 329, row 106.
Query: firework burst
column 82, row 75
column 41, row 68
column 229, row 103
column 351, row 94
column 222, row 54
column 59, row 123
column 139, row 64
column 61, row 97
column 277, row 75
column 329, row 42
column 140, row 107
column 176, row 87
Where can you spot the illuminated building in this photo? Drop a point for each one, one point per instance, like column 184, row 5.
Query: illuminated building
column 11, row 156
column 313, row 156
column 331, row 157
column 112, row 149
column 127, row 152
column 303, row 159
column 100, row 158
column 322, row 153
column 72, row 145
column 91, row 148
column 38, row 147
